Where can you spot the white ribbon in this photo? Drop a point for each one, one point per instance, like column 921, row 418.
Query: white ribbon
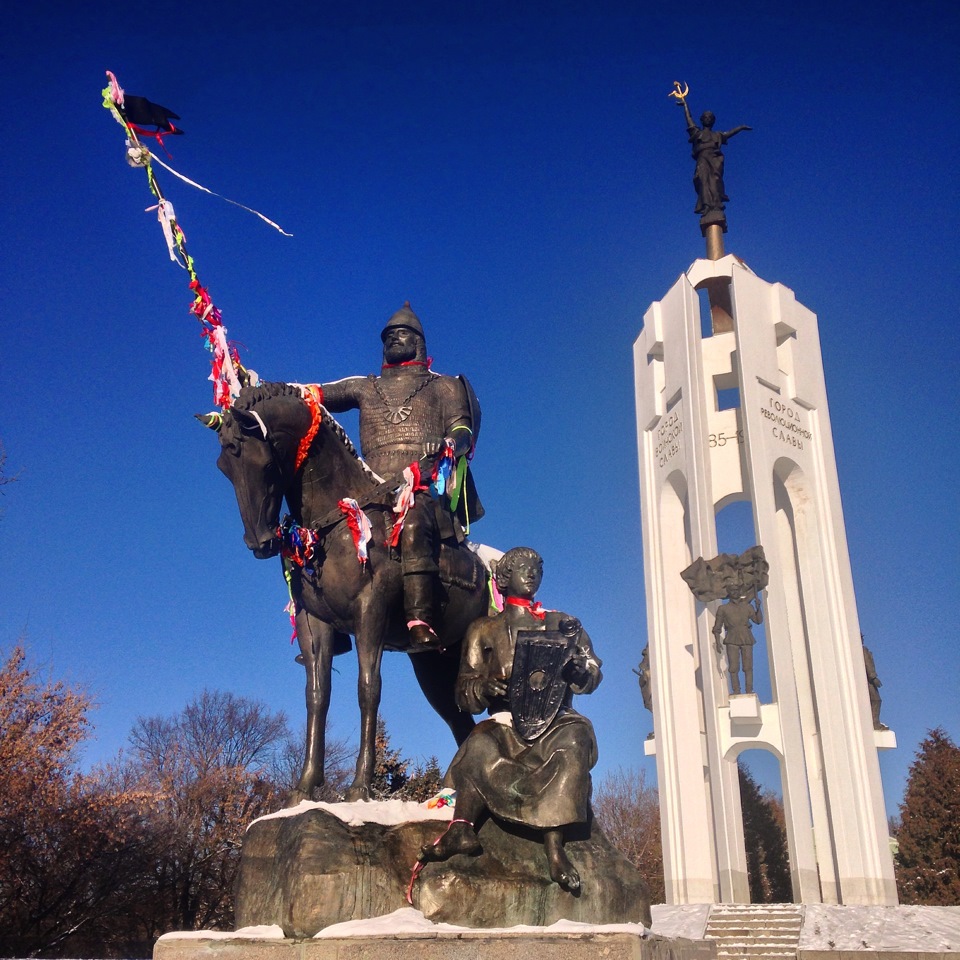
column 192, row 183
column 167, row 218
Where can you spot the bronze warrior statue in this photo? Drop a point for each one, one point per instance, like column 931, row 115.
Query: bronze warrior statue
column 738, row 580
column 733, row 622
column 873, row 685
column 530, row 762
column 408, row 413
column 643, row 675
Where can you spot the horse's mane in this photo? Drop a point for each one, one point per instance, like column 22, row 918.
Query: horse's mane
column 249, row 397
column 265, row 390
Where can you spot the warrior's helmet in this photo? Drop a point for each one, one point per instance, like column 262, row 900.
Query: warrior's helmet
column 404, row 317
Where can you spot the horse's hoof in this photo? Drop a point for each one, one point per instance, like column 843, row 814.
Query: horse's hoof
column 357, row 793
column 296, row 797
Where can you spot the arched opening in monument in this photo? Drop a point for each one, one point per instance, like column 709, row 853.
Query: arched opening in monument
column 764, row 827
column 799, row 566
column 679, row 607
column 735, row 534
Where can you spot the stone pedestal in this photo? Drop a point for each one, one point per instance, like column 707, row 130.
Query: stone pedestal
column 307, row 871
column 744, row 706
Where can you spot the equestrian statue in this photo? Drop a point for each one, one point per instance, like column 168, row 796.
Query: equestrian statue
column 374, row 549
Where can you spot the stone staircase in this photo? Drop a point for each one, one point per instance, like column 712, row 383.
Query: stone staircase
column 759, row 931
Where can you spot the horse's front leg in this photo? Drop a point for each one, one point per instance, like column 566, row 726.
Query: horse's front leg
column 371, row 625
column 316, row 654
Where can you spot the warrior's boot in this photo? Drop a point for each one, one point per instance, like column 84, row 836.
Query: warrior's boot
column 419, row 592
column 419, row 556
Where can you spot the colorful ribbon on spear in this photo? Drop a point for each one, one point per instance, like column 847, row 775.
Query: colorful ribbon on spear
column 228, row 373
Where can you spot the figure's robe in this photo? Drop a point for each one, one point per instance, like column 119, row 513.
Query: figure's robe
column 544, row 783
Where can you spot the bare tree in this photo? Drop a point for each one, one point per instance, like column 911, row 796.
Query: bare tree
column 209, row 771
column 338, row 765
column 69, row 844
column 629, row 813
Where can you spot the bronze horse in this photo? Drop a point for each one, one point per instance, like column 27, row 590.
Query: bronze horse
column 335, row 595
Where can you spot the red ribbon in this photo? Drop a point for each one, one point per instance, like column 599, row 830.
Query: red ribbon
column 408, row 363
column 405, row 502
column 312, row 397
column 535, row 609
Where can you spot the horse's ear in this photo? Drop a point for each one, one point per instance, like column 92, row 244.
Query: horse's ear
column 249, row 421
column 212, row 420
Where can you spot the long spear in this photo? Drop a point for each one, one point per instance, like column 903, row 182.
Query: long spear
column 228, row 373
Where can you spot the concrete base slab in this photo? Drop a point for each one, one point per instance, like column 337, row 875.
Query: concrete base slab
column 441, row 946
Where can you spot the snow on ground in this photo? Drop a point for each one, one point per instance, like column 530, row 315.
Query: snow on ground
column 830, row 927
column 387, row 812
column 687, row 921
column 409, row 920
column 880, row 928
column 265, row 932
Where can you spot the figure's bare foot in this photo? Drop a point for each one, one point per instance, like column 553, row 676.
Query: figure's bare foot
column 562, row 871
column 459, row 838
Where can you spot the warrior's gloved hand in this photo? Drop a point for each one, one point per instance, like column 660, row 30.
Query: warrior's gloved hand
column 494, row 687
column 432, row 446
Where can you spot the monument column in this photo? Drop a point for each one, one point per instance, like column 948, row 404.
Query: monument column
column 742, row 415
column 736, row 409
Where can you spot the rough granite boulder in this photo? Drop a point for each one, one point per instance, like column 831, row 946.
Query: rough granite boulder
column 307, row 870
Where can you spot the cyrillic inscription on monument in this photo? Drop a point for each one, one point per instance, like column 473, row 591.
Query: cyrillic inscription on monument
column 668, row 438
column 786, row 424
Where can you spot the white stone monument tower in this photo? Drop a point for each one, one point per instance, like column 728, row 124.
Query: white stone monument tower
column 737, row 410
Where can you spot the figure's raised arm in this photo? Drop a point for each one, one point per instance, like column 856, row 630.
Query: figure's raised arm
column 730, row 133
column 679, row 93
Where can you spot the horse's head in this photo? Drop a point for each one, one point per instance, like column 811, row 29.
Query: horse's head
column 259, row 437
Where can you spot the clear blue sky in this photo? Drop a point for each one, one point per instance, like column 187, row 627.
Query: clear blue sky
column 518, row 173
